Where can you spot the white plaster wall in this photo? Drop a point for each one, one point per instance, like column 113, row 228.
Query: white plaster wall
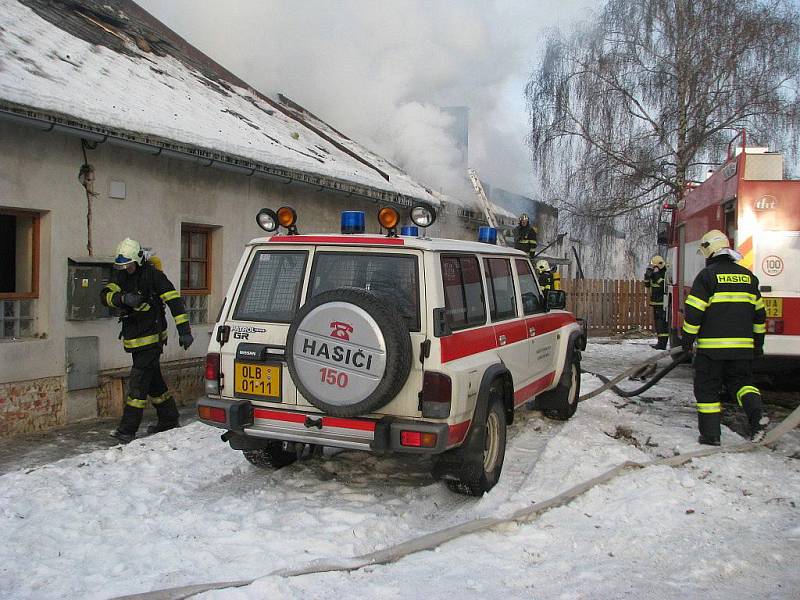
column 38, row 171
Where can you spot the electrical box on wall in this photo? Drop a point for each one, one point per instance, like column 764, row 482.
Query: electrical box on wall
column 86, row 278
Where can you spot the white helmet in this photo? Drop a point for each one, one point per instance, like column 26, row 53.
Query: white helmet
column 542, row 266
column 712, row 242
column 657, row 261
column 128, row 251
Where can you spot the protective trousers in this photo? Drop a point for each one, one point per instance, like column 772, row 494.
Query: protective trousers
column 146, row 380
column 660, row 322
column 709, row 378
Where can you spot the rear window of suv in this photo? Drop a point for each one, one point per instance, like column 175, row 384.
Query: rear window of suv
column 393, row 277
column 271, row 291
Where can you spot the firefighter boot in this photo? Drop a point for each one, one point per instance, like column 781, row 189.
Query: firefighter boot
column 750, row 398
column 128, row 424
column 710, row 425
column 661, row 345
column 167, row 413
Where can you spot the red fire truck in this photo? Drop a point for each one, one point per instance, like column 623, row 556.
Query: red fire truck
column 748, row 199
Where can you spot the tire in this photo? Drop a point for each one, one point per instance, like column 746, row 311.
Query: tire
column 273, row 456
column 567, row 392
column 374, row 331
column 474, row 468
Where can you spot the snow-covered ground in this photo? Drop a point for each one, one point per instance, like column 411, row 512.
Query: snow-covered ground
column 181, row 508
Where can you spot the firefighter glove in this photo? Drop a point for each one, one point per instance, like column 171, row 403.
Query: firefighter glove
column 132, row 299
column 687, row 341
column 185, row 340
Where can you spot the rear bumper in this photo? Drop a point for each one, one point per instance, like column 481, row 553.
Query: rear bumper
column 382, row 435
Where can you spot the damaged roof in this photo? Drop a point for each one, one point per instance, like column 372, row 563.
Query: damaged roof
column 111, row 68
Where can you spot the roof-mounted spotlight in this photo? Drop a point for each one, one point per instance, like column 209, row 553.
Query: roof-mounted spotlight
column 423, row 215
column 287, row 217
column 388, row 217
column 267, row 219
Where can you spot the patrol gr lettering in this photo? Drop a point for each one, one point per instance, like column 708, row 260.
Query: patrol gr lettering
column 358, row 359
column 732, row 278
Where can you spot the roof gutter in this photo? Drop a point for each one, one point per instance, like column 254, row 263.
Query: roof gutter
column 160, row 147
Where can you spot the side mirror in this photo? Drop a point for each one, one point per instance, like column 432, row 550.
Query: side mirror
column 556, row 299
column 441, row 326
column 663, row 233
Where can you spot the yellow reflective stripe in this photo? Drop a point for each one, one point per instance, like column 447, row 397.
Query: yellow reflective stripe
column 113, row 287
column 725, row 343
column 690, row 329
column 744, row 390
column 110, row 298
column 696, row 302
column 759, row 328
column 732, row 297
column 143, row 307
column 709, row 407
column 759, row 304
column 181, row 319
column 163, row 335
column 142, row 341
column 170, row 295
column 136, row 402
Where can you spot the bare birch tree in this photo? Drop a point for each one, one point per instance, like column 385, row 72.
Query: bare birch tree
column 628, row 107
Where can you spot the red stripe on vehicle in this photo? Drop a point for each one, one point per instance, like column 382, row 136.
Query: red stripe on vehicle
column 274, row 415
column 515, row 331
column 337, row 239
column 548, row 323
column 524, row 394
column 467, row 343
column 457, row 432
column 348, row 423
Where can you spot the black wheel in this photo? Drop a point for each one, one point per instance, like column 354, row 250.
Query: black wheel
column 567, row 392
column 474, row 468
column 348, row 352
column 273, row 456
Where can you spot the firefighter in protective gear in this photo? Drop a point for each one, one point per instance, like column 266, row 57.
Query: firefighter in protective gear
column 138, row 292
column 654, row 280
column 725, row 315
column 544, row 275
column 525, row 236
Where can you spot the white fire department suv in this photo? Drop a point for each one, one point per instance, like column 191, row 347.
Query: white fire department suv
column 386, row 344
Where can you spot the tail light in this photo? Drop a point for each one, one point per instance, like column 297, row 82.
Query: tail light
column 211, row 413
column 212, row 373
column 774, row 325
column 418, row 439
column 437, row 390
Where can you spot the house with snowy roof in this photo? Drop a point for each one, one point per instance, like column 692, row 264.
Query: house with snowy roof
column 113, row 126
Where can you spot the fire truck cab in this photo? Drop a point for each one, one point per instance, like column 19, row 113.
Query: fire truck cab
column 749, row 199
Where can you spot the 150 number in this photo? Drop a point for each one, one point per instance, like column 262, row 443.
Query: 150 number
column 334, row 377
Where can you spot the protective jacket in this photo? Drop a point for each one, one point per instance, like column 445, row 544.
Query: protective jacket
column 525, row 238
column 654, row 281
column 545, row 280
column 145, row 326
column 725, row 312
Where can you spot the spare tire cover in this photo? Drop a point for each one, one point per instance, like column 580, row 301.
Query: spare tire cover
column 348, row 352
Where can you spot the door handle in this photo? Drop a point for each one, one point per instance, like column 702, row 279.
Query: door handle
column 502, row 340
column 531, row 331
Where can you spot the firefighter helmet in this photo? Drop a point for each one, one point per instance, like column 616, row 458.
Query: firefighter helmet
column 523, row 217
column 542, row 266
column 712, row 242
column 129, row 251
column 657, row 261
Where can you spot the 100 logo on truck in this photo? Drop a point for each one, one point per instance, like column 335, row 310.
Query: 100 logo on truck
column 339, row 353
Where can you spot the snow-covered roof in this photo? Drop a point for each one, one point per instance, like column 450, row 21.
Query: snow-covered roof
column 116, row 67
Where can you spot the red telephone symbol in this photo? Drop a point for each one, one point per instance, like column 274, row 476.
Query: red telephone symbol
column 341, row 330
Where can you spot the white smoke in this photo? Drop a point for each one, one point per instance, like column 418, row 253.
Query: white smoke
column 378, row 71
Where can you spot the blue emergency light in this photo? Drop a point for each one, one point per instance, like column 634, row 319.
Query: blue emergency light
column 409, row 230
column 353, row 221
column 487, row 235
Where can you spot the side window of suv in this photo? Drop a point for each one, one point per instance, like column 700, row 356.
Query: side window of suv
column 500, row 283
column 463, row 292
column 531, row 300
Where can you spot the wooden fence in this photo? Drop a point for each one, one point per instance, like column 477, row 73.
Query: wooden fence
column 610, row 305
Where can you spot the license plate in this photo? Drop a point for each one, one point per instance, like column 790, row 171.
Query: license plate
column 774, row 307
column 257, row 381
